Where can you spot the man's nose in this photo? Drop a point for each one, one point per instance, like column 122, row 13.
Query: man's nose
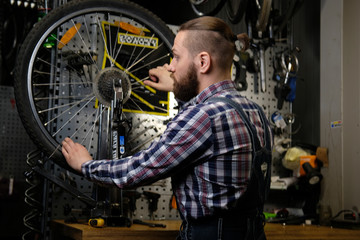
column 170, row 67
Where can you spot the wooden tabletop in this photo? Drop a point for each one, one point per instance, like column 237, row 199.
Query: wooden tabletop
column 80, row 231
column 277, row 231
column 274, row 231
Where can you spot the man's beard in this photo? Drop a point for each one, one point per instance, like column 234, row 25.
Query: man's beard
column 187, row 87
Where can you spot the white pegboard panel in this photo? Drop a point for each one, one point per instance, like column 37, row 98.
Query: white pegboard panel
column 15, row 144
column 146, row 128
column 267, row 99
column 61, row 199
column 164, row 211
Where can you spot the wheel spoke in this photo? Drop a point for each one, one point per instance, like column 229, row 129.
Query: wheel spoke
column 148, row 54
column 86, row 47
column 92, row 129
column 74, row 115
column 142, row 50
column 141, row 80
column 115, row 40
column 74, row 134
column 61, row 106
column 66, row 46
column 60, row 97
column 64, row 112
column 154, row 61
column 103, row 38
column 152, row 106
column 138, row 147
column 69, row 91
column 53, row 66
column 58, row 84
column 132, row 53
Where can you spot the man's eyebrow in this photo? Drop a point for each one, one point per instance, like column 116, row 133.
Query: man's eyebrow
column 175, row 49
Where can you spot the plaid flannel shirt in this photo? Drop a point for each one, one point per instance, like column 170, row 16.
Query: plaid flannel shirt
column 205, row 149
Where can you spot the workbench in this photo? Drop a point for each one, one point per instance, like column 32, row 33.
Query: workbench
column 274, row 231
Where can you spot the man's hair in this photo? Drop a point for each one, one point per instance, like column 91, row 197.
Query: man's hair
column 212, row 35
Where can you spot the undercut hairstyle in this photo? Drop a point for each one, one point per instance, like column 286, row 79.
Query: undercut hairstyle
column 212, row 35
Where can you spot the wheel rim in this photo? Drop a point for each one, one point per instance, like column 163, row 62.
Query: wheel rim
column 61, row 80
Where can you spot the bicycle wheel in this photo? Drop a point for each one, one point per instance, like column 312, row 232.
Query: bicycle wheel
column 66, row 70
column 207, row 8
column 287, row 9
column 257, row 17
column 235, row 10
column 264, row 14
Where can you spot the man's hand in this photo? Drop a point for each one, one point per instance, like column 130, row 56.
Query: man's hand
column 160, row 79
column 75, row 154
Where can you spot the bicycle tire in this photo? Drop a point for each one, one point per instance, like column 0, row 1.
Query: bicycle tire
column 280, row 21
column 257, row 17
column 204, row 9
column 51, row 82
column 235, row 14
column 264, row 14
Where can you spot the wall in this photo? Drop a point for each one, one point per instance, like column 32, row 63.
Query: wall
column 351, row 103
column 331, row 100
column 339, row 90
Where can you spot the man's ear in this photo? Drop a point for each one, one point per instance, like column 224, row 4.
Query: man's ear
column 204, row 61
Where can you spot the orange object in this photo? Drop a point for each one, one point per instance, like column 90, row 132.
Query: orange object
column 173, row 202
column 310, row 159
column 69, row 35
column 130, row 28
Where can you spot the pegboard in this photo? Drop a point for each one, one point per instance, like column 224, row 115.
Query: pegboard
column 13, row 158
column 146, row 128
column 267, row 100
column 164, row 211
column 15, row 144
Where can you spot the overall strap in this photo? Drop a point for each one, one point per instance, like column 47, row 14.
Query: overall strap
column 261, row 160
column 249, row 125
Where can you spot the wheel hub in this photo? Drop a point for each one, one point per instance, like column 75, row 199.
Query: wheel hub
column 103, row 86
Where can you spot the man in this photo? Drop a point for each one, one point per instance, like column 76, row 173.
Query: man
column 207, row 149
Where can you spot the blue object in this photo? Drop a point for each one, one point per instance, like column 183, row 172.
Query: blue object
column 292, row 84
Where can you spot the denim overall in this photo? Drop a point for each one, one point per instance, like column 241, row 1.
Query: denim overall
column 245, row 219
